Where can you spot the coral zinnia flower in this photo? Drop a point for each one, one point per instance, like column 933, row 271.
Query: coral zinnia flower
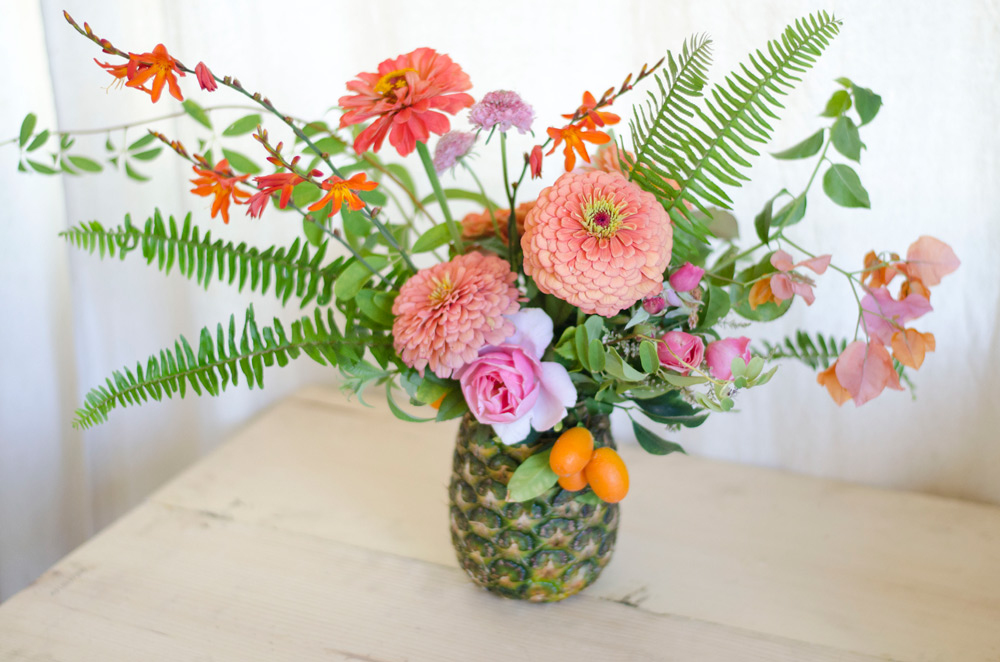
column 445, row 314
column 340, row 190
column 598, row 241
column 480, row 225
column 404, row 97
column 157, row 65
column 574, row 137
column 222, row 186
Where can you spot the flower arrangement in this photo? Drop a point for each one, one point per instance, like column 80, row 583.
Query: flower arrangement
column 620, row 286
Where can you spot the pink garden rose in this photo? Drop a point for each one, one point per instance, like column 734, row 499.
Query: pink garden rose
column 679, row 351
column 720, row 355
column 686, row 278
column 509, row 387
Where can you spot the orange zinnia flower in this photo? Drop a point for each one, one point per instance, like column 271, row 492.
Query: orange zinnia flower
column 591, row 117
column 157, row 65
column 339, row 191
column 404, row 96
column 220, row 182
column 574, row 137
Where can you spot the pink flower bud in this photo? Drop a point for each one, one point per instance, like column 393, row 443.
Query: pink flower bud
column 535, row 161
column 686, row 278
column 205, row 78
column 680, row 351
column 654, row 304
column 720, row 355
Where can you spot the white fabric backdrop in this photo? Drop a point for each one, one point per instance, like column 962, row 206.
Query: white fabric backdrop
column 931, row 168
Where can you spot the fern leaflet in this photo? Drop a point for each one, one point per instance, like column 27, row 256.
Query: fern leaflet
column 292, row 270
column 221, row 358
column 815, row 354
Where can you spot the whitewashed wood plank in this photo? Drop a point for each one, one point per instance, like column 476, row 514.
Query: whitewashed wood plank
column 169, row 584
column 910, row 576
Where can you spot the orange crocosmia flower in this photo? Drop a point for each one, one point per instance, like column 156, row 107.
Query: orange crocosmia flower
column 157, row 65
column 591, row 117
column 575, row 137
column 909, row 347
column 119, row 71
column 828, row 378
column 220, row 182
column 339, row 191
column 760, row 293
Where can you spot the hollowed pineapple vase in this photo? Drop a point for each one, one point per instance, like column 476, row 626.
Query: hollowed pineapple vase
column 541, row 550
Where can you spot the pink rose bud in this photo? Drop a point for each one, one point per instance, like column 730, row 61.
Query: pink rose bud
column 654, row 304
column 680, row 351
column 720, row 355
column 686, row 278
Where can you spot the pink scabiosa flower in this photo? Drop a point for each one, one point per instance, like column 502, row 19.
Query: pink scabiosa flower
column 446, row 313
column 680, row 352
column 451, row 147
column 509, row 387
column 720, row 355
column 598, row 241
column 404, row 97
column 502, row 109
column 205, row 78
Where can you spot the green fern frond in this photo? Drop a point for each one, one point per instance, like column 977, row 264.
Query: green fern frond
column 815, row 354
column 705, row 146
column 221, row 358
column 292, row 270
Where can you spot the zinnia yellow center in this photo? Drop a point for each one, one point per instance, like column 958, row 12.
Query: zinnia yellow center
column 442, row 288
column 392, row 81
column 602, row 217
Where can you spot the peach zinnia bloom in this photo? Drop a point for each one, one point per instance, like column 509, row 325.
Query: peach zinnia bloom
column 598, row 241
column 404, row 97
column 446, row 313
column 480, row 225
column 222, row 186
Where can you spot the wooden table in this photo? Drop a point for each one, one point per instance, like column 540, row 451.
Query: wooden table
column 320, row 533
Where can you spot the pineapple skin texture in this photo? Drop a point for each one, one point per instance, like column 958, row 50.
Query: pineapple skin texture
column 543, row 550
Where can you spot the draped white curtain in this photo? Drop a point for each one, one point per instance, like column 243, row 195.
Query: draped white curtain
column 67, row 319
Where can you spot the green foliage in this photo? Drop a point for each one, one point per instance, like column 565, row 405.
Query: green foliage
column 654, row 443
column 808, row 147
column 292, row 270
column 706, row 149
column 842, row 184
column 197, row 113
column 218, row 362
column 532, row 478
column 817, row 353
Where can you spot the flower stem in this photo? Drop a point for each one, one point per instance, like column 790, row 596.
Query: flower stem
column 512, row 240
column 482, row 190
column 425, row 158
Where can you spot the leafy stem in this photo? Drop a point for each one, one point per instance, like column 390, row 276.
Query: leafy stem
column 425, row 158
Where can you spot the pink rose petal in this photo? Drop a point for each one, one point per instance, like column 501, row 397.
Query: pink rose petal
column 720, row 355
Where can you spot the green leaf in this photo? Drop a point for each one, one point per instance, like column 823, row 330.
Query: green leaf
column 588, row 498
column 398, row 412
column 460, row 194
column 844, row 187
column 803, row 150
column 148, row 155
column 654, row 443
column 793, row 212
column 305, row 194
column 453, row 406
column 356, row 224
column 619, row 368
column 41, row 168
column 242, row 125
column 375, row 197
column 83, row 163
column 867, row 103
column 313, row 232
column 532, row 479
column 197, row 112
column 27, row 127
column 838, row 104
column 648, row 357
column 135, row 174
column 595, row 355
column 140, row 143
column 671, row 409
column 403, row 175
column 716, row 307
column 376, row 306
column 330, row 145
column 844, row 82
column 682, row 380
column 39, row 140
column 437, row 236
column 430, row 390
column 354, row 277
column 762, row 223
column 846, row 139
column 239, row 162
column 721, row 223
